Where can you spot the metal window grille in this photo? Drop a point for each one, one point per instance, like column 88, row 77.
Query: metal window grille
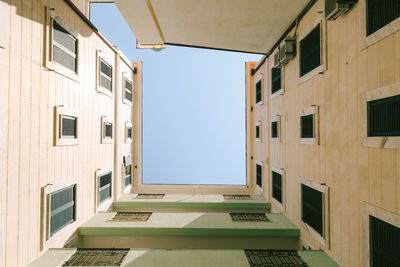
column 277, row 186
column 97, row 257
column 307, row 126
column 380, row 13
column 249, row 217
column 65, row 47
column 384, row 243
column 384, row 117
column 131, row 217
column 62, row 208
column 310, row 51
column 274, row 258
column 311, row 208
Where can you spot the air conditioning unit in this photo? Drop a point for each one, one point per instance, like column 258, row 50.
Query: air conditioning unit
column 287, row 51
column 336, row 8
column 277, row 59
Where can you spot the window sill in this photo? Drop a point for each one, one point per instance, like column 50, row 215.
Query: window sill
column 105, row 91
column 259, row 104
column 127, row 102
column 318, row 70
column 276, row 94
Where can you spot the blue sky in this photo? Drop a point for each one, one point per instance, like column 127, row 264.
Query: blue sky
column 193, row 108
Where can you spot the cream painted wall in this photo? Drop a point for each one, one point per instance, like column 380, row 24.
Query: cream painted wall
column 354, row 174
column 28, row 158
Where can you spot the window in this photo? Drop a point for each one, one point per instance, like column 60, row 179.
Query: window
column 62, row 208
column 276, row 80
column 128, row 91
column 106, row 130
column 276, row 129
column 259, row 92
column 380, row 13
column 128, row 132
column 384, row 116
column 384, row 243
column 380, row 117
column 310, row 51
column 104, row 187
column 128, row 170
column 66, row 127
column 259, row 174
column 308, row 122
column 258, row 131
column 311, row 208
column 65, row 47
column 105, row 73
column 277, row 186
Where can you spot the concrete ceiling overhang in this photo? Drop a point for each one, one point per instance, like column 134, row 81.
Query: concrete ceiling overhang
column 239, row 25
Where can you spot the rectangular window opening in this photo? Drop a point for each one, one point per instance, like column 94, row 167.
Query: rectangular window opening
column 380, row 13
column 105, row 187
column 276, row 80
column 258, row 131
column 68, row 126
column 62, row 208
column 65, row 47
column 277, row 186
column 311, row 208
column 384, row 116
column 105, row 75
column 274, row 129
column 310, row 51
column 108, row 129
column 259, row 175
column 307, row 126
column 128, row 90
column 258, row 91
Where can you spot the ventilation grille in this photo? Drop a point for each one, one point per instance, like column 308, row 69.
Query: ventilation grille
column 274, row 258
column 131, row 217
column 249, row 217
column 237, row 197
column 97, row 257
column 150, row 196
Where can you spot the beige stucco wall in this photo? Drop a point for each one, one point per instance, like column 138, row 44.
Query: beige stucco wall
column 353, row 173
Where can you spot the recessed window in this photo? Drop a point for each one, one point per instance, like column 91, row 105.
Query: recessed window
column 259, row 91
column 380, row 13
column 128, row 132
column 310, row 51
column 384, row 243
column 259, row 175
column 66, row 127
column 277, row 186
column 258, row 131
column 276, row 129
column 384, row 116
column 105, row 187
column 128, row 90
column 276, row 80
column 128, row 170
column 307, row 126
column 62, row 208
column 105, row 75
column 65, row 47
column 312, row 208
column 107, row 130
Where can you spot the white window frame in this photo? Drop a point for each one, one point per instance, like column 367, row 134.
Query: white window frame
column 101, row 56
column 382, row 33
column 260, row 189
column 127, row 189
column 126, row 76
column 281, row 207
column 260, row 78
column 51, row 16
column 276, row 118
column 321, row 68
column 377, row 141
column 324, row 241
column 107, row 203
column 381, row 214
column 259, row 124
column 127, row 126
column 271, row 66
column 59, row 238
column 104, row 139
column 59, row 112
column 312, row 110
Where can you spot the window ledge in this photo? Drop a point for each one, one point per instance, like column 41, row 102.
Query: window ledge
column 276, row 94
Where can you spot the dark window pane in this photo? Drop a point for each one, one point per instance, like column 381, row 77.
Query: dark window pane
column 128, row 85
column 105, row 69
column 105, row 187
column 276, row 80
column 384, row 117
column 380, row 13
column 258, row 92
column 257, row 131
column 307, row 126
column 311, row 208
column 109, row 129
column 310, row 51
column 68, row 126
column 130, row 133
column 128, row 96
column 277, row 186
column 274, row 129
column 62, row 208
column 64, row 38
column 63, row 58
column 259, row 175
column 384, row 243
